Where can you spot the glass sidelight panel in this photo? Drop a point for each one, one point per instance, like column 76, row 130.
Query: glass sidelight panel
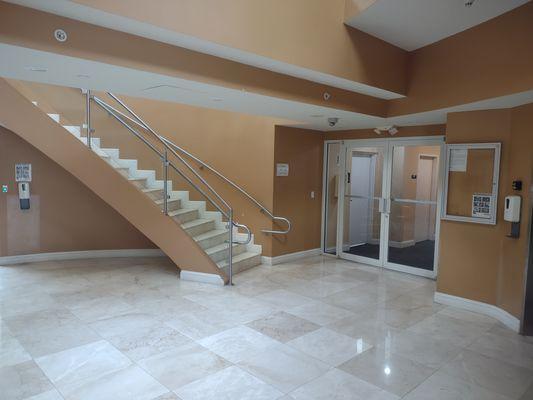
column 413, row 206
column 333, row 172
column 363, row 202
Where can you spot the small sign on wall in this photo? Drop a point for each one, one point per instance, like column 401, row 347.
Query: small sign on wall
column 282, row 169
column 482, row 205
column 23, row 172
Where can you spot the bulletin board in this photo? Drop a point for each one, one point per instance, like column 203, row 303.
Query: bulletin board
column 471, row 182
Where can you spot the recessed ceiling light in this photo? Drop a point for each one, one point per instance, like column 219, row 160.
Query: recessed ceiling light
column 85, row 76
column 36, row 69
column 217, row 99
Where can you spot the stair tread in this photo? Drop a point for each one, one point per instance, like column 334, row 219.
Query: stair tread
column 181, row 211
column 239, row 257
column 130, row 178
column 207, row 235
column 160, row 202
column 196, row 222
column 219, row 247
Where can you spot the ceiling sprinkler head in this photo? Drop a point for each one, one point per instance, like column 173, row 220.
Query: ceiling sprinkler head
column 60, row 35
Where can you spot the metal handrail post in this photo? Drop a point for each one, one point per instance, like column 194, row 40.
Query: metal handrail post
column 230, row 254
column 88, row 116
column 165, row 182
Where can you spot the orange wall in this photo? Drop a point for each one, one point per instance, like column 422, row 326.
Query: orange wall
column 403, row 131
column 303, row 150
column 240, row 146
column 480, row 262
column 64, row 215
column 307, row 33
column 34, row 29
column 489, row 60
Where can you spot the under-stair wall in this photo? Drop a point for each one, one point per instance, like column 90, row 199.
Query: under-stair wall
column 239, row 146
column 30, row 123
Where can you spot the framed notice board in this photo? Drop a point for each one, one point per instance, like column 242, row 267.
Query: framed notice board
column 471, row 182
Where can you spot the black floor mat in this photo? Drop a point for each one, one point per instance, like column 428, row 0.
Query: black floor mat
column 420, row 255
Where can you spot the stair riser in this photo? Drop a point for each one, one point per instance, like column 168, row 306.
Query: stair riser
column 141, row 184
column 222, row 255
column 173, row 205
column 199, row 229
column 243, row 265
column 156, row 195
column 186, row 217
column 213, row 241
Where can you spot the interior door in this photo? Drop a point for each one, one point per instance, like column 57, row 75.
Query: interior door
column 360, row 237
column 412, row 206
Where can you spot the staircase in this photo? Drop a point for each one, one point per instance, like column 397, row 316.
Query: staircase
column 206, row 228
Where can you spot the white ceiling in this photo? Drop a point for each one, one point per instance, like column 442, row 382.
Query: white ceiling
column 33, row 65
column 411, row 24
column 90, row 15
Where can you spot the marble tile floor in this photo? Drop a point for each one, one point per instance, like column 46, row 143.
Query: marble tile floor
column 319, row 328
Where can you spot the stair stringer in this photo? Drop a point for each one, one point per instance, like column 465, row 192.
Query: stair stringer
column 20, row 116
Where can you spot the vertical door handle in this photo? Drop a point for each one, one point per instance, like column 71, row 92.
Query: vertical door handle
column 381, row 205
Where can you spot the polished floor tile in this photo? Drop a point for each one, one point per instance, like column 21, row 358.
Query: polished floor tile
column 339, row 385
column 283, row 326
column 229, row 384
column 183, row 365
column 329, row 346
column 20, row 381
column 71, row 369
column 317, row 328
column 237, row 343
column 394, row 373
column 494, row 375
column 283, row 367
column 440, row 386
column 319, row 312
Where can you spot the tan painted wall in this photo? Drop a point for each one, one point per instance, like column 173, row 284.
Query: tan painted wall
column 489, row 60
column 19, row 115
column 307, row 33
column 64, row 215
column 303, row 150
column 240, row 146
column 403, row 131
column 353, row 8
column 34, row 29
column 480, row 262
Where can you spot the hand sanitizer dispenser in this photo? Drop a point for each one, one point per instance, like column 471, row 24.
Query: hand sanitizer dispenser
column 512, row 209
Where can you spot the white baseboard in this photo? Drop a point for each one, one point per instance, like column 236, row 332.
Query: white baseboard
column 482, row 308
column 290, row 257
column 202, row 277
column 76, row 255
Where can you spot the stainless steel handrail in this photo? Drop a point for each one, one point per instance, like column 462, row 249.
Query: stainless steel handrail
column 244, row 192
column 262, row 208
column 166, row 162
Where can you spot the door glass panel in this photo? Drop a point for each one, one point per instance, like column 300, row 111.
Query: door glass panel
column 362, row 198
column 332, row 197
column 413, row 208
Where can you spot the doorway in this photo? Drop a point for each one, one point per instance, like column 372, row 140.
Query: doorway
column 388, row 203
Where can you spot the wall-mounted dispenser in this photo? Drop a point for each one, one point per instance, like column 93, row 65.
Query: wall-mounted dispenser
column 512, row 214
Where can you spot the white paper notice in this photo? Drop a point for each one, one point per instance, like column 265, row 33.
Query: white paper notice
column 282, row 169
column 458, row 160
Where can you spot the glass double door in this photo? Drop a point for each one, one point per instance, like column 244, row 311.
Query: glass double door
column 388, row 204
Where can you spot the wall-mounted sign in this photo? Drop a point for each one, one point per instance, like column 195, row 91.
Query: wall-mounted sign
column 481, row 205
column 458, row 160
column 4, row 188
column 282, row 169
column 23, row 172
